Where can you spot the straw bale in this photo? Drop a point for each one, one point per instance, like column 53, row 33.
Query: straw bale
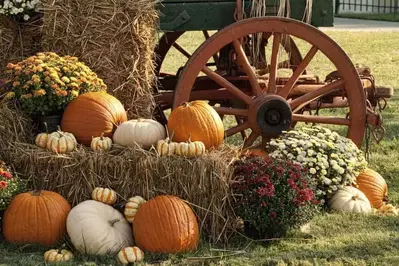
column 116, row 39
column 18, row 40
column 203, row 182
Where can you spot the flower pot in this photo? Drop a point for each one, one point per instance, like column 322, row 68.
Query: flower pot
column 48, row 123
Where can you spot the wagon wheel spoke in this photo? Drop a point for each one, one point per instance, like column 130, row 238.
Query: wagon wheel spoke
column 234, row 130
column 231, row 111
column 321, row 119
column 284, row 92
column 215, row 56
column 303, row 100
column 240, row 121
column 251, row 139
column 271, row 88
column 227, row 85
column 181, row 49
column 247, row 67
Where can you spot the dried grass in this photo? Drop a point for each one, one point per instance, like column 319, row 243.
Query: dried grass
column 18, row 40
column 116, row 39
column 203, row 182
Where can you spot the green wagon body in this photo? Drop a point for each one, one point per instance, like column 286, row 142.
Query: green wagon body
column 194, row 15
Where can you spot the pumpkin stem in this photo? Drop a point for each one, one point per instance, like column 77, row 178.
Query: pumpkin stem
column 59, row 128
column 112, row 222
column 189, row 138
column 355, row 197
column 385, row 198
column 186, row 104
column 45, row 126
column 168, row 138
column 36, row 192
column 102, row 136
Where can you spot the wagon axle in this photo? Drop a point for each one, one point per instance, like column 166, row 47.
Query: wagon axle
column 269, row 115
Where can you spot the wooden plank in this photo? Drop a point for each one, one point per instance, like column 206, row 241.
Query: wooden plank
column 195, row 15
column 202, row 16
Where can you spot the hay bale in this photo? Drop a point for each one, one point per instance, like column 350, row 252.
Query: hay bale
column 18, row 40
column 116, row 39
column 203, row 182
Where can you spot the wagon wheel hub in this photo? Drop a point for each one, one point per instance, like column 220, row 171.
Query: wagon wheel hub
column 270, row 115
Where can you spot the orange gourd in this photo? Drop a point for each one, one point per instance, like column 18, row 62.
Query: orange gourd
column 91, row 114
column 200, row 120
column 36, row 217
column 373, row 185
column 166, row 224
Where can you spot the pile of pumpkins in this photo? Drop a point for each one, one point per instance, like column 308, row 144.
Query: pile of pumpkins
column 370, row 194
column 164, row 224
column 98, row 119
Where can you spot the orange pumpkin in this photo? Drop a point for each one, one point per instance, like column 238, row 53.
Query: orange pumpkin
column 166, row 224
column 36, row 217
column 373, row 185
column 200, row 120
column 91, row 114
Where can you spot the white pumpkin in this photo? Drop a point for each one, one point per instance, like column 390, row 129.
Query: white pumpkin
column 130, row 255
column 61, row 142
column 166, row 147
column 41, row 140
column 104, row 195
column 132, row 206
column 350, row 199
column 145, row 132
column 55, row 255
column 96, row 228
column 190, row 149
column 101, row 143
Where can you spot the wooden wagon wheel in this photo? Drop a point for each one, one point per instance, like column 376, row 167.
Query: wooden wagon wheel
column 169, row 40
column 268, row 112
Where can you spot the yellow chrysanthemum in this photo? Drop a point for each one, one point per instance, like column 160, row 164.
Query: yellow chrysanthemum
column 65, row 79
column 9, row 95
column 26, row 96
column 61, row 93
column 75, row 93
column 35, row 76
column 10, row 66
column 54, row 86
column 40, row 92
column 73, row 85
column 16, row 83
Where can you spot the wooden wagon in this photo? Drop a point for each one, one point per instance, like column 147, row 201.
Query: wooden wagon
column 241, row 82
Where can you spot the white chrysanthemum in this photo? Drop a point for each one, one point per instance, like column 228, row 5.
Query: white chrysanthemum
column 332, row 158
column 312, row 170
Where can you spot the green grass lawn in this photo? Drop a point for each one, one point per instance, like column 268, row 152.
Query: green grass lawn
column 329, row 239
